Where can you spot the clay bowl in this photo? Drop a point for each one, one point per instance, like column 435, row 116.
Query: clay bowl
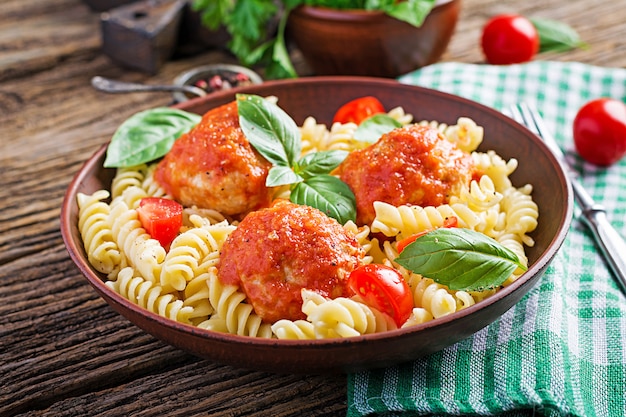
column 370, row 43
column 320, row 97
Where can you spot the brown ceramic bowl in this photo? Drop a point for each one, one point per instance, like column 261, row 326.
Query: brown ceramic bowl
column 320, row 97
column 367, row 43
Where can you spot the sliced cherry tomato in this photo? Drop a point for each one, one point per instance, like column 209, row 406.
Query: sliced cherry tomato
column 600, row 131
column 384, row 289
column 509, row 39
column 359, row 109
column 451, row 221
column 161, row 217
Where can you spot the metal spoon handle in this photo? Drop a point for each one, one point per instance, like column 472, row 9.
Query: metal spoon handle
column 114, row 86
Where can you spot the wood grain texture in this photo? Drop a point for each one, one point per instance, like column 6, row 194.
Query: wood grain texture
column 63, row 351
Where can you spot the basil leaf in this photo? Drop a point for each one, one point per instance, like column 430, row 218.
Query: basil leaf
column 372, row 128
column 270, row 130
column 556, row 36
column 147, row 135
column 281, row 175
column 328, row 194
column 317, row 163
column 411, row 11
column 459, row 258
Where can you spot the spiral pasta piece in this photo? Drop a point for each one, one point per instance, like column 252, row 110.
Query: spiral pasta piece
column 231, row 311
column 196, row 295
column 400, row 116
column 432, row 297
column 342, row 317
column 189, row 249
column 405, row 221
column 341, row 137
column 149, row 184
column 496, row 168
column 466, row 134
column 314, row 136
column 362, row 235
column 146, row 294
column 293, row 330
column 127, row 177
column 102, row 251
column 522, row 212
column 140, row 250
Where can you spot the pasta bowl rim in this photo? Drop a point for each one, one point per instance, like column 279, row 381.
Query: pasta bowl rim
column 221, row 347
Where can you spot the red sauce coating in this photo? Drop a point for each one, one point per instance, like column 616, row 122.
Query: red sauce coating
column 214, row 166
column 412, row 165
column 277, row 251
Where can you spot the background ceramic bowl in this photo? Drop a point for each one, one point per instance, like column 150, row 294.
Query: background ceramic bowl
column 358, row 42
column 320, row 97
column 204, row 74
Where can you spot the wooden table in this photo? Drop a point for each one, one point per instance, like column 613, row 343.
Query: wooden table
column 63, row 351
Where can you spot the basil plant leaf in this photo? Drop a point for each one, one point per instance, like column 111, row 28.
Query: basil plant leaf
column 271, row 131
column 148, row 135
column 412, row 12
column 556, row 36
column 281, row 175
column 372, row 128
column 328, row 194
column 322, row 162
column 461, row 259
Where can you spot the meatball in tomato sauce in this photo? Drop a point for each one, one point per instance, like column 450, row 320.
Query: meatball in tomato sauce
column 276, row 252
column 214, row 166
column 412, row 165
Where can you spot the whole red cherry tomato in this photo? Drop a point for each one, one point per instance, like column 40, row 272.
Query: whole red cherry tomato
column 600, row 131
column 509, row 39
column 384, row 289
column 161, row 217
column 359, row 109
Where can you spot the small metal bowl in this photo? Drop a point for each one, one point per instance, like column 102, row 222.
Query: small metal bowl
column 206, row 72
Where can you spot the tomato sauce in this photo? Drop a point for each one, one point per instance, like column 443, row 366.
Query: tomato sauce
column 276, row 252
column 214, row 166
column 412, row 165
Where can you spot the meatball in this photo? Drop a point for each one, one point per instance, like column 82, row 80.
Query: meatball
column 412, row 165
column 214, row 166
column 276, row 252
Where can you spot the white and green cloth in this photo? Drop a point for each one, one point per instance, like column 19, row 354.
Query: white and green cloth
column 561, row 351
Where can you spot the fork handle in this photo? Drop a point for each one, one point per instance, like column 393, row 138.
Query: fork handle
column 609, row 241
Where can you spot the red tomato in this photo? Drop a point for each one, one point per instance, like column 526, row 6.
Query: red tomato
column 161, row 217
column 509, row 39
column 600, row 131
column 359, row 109
column 384, row 289
column 448, row 222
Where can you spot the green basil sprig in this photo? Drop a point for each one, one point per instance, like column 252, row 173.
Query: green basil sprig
column 148, row 135
column 461, row 259
column 275, row 135
column 372, row 128
column 556, row 36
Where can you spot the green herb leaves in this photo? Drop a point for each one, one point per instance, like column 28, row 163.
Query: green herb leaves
column 460, row 258
column 555, row 36
column 372, row 128
column 276, row 136
column 148, row 135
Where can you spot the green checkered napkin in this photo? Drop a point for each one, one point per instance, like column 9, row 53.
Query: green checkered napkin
column 561, row 351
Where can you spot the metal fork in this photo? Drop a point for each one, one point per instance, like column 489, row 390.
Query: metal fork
column 611, row 244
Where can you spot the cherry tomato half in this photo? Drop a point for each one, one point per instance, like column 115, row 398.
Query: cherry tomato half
column 451, row 221
column 384, row 289
column 359, row 109
column 509, row 39
column 161, row 217
column 600, row 131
